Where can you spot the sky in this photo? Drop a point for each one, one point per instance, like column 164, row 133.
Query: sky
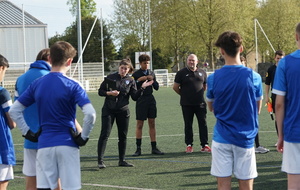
column 56, row 14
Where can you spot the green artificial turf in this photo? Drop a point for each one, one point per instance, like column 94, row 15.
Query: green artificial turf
column 175, row 169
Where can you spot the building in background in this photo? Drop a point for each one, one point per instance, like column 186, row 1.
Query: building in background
column 22, row 36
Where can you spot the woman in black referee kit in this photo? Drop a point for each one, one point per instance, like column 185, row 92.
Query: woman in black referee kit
column 116, row 108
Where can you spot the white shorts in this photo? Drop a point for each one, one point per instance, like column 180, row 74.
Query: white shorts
column 58, row 162
column 228, row 159
column 291, row 158
column 6, row 172
column 29, row 162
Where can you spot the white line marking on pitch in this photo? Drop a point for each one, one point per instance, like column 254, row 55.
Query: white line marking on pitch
column 176, row 135
column 115, row 186
column 101, row 185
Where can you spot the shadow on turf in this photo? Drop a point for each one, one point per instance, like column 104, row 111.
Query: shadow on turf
column 149, row 156
column 203, row 170
column 161, row 158
column 171, row 155
column 270, row 176
column 205, row 180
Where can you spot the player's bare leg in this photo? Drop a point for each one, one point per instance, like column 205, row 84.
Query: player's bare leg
column 224, row 183
column 152, row 130
column 3, row 185
column 152, row 133
column 30, row 182
column 293, row 181
column 246, row 184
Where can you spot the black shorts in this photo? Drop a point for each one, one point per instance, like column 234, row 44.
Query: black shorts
column 146, row 108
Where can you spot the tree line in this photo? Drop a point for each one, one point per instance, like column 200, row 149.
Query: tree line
column 181, row 27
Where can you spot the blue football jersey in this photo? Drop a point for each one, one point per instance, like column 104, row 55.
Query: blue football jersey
column 56, row 96
column 234, row 91
column 286, row 83
column 7, row 153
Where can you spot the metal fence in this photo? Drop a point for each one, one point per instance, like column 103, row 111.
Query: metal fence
column 92, row 75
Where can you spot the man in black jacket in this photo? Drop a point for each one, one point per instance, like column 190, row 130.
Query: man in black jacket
column 190, row 84
column 270, row 75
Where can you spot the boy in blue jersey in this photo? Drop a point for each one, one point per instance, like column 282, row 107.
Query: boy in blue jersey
column 7, row 153
column 287, row 90
column 37, row 69
column 234, row 95
column 56, row 97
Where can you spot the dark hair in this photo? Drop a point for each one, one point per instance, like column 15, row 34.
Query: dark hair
column 144, row 57
column 60, row 52
column 43, row 54
column 3, row 61
column 127, row 62
column 279, row 52
column 229, row 41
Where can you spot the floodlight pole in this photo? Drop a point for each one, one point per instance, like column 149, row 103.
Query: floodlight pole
column 24, row 37
column 150, row 37
column 79, row 37
column 256, row 48
column 102, row 46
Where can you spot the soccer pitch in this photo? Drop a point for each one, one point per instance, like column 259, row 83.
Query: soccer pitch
column 175, row 169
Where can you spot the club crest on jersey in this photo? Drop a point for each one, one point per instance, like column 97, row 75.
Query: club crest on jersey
column 127, row 82
column 200, row 74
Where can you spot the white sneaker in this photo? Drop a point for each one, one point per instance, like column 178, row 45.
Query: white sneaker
column 261, row 150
